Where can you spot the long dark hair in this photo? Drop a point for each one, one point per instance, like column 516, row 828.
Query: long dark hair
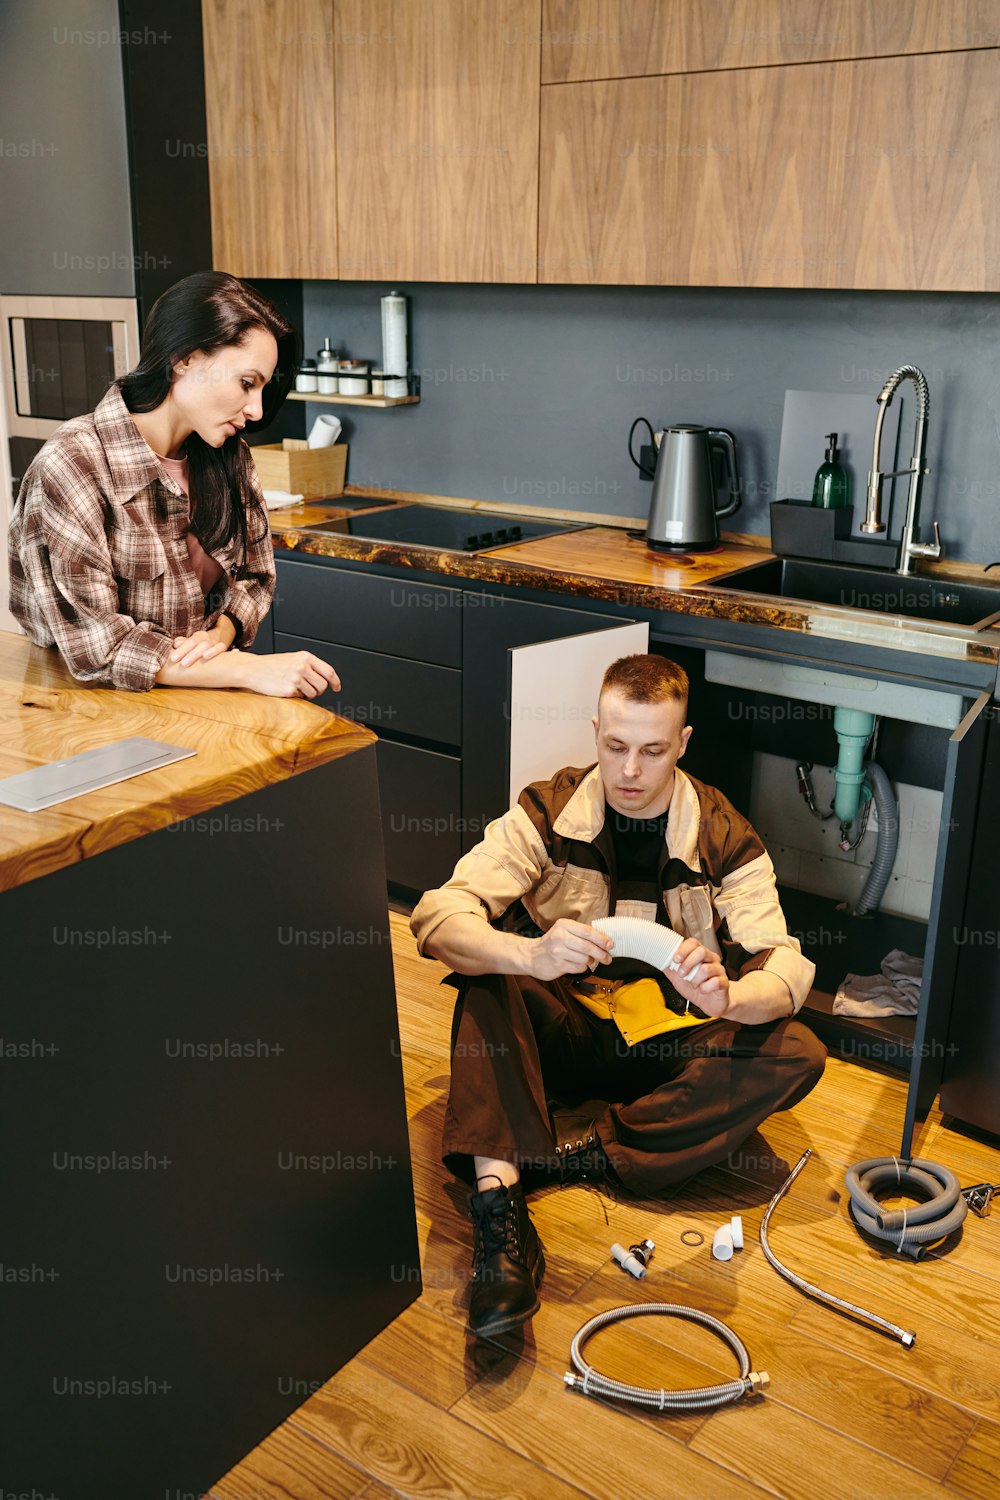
column 212, row 310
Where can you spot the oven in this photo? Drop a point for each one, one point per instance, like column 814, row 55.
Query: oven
column 58, row 357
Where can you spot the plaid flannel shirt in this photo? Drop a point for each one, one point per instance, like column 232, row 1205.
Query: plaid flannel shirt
column 99, row 565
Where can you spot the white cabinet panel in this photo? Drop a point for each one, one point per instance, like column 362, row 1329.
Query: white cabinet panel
column 553, row 697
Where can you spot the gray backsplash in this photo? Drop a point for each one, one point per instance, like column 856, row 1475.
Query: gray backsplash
column 529, row 392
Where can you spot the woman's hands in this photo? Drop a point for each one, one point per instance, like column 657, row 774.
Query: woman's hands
column 203, row 645
column 207, row 663
column 287, row 674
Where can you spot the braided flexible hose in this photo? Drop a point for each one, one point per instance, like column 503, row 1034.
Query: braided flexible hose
column 703, row 1398
column 849, row 1309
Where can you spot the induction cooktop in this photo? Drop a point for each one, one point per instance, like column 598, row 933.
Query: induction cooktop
column 450, row 530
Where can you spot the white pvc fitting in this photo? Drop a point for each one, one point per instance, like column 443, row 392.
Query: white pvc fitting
column 722, row 1243
column 736, row 1230
column 628, row 1262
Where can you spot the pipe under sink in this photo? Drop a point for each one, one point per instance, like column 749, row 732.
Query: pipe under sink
column 872, row 590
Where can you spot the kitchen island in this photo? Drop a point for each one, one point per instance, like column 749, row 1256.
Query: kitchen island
column 206, row 1186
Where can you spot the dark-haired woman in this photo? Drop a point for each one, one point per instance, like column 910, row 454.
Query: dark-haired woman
column 139, row 544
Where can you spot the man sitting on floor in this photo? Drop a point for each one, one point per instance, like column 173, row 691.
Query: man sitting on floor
column 642, row 1076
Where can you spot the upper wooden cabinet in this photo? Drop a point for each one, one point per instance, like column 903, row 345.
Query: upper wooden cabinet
column 437, row 137
column 594, row 39
column 270, row 109
column 878, row 174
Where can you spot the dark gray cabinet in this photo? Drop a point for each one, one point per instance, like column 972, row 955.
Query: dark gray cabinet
column 373, row 611
column 916, row 745
column 427, row 667
column 970, row 1089
column 388, row 693
column 263, row 641
column 959, row 813
column 396, row 644
column 421, row 828
column 216, row 1179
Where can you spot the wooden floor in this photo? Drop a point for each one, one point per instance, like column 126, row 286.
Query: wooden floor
column 424, row 1411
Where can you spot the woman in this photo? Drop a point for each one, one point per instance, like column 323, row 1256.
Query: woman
column 139, row 544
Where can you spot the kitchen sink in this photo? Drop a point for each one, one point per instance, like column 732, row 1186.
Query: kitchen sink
column 872, row 589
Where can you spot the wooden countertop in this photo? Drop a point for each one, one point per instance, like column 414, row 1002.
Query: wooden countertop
column 606, row 562
column 244, row 742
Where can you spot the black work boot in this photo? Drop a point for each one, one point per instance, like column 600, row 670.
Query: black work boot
column 579, row 1155
column 507, row 1264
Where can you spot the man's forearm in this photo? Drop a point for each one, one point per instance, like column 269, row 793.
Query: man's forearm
column 759, row 997
column 469, row 945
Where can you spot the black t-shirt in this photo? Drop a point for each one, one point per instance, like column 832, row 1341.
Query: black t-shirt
column 638, row 845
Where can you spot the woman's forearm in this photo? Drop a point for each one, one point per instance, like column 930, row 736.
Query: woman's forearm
column 228, row 670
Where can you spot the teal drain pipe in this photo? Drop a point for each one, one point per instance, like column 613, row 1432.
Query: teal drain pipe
column 854, row 730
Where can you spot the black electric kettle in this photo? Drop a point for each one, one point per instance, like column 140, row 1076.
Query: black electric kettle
column 684, row 511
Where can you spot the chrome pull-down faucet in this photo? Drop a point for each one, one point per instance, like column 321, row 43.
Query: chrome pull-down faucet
column 872, row 524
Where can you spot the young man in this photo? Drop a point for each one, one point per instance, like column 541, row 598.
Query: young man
column 642, row 1076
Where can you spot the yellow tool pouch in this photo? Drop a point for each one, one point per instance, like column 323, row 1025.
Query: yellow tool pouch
column 636, row 1006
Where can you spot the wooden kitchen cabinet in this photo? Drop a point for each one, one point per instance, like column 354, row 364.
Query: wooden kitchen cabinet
column 269, row 98
column 876, row 174
column 594, row 39
column 437, row 139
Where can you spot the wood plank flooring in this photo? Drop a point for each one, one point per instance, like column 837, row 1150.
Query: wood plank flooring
column 425, row 1411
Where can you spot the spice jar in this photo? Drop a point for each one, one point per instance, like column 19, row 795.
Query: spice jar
column 354, row 377
column 327, row 366
column 306, row 379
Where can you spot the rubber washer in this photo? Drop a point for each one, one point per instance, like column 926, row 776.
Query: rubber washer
column 692, row 1237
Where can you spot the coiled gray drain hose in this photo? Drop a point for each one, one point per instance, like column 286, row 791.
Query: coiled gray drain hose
column 908, row 1229
column 705, row 1398
column 849, row 1309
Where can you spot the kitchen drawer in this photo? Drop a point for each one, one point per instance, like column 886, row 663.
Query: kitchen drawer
column 263, row 641
column 420, row 621
column 420, row 793
column 388, row 693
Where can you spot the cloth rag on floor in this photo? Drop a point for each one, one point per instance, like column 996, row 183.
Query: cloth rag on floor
column 893, row 992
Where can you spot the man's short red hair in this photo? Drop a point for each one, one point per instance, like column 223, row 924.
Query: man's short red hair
column 646, row 679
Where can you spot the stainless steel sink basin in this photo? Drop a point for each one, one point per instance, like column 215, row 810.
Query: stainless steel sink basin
column 871, row 589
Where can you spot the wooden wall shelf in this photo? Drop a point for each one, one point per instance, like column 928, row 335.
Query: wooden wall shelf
column 374, row 401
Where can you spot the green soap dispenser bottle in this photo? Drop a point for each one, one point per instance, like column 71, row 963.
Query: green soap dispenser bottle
column 830, row 491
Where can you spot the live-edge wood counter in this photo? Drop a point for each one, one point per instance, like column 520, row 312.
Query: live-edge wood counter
column 613, row 565
column 243, row 741
column 204, row 1164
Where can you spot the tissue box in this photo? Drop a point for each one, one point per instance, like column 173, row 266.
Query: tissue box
column 314, row 473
